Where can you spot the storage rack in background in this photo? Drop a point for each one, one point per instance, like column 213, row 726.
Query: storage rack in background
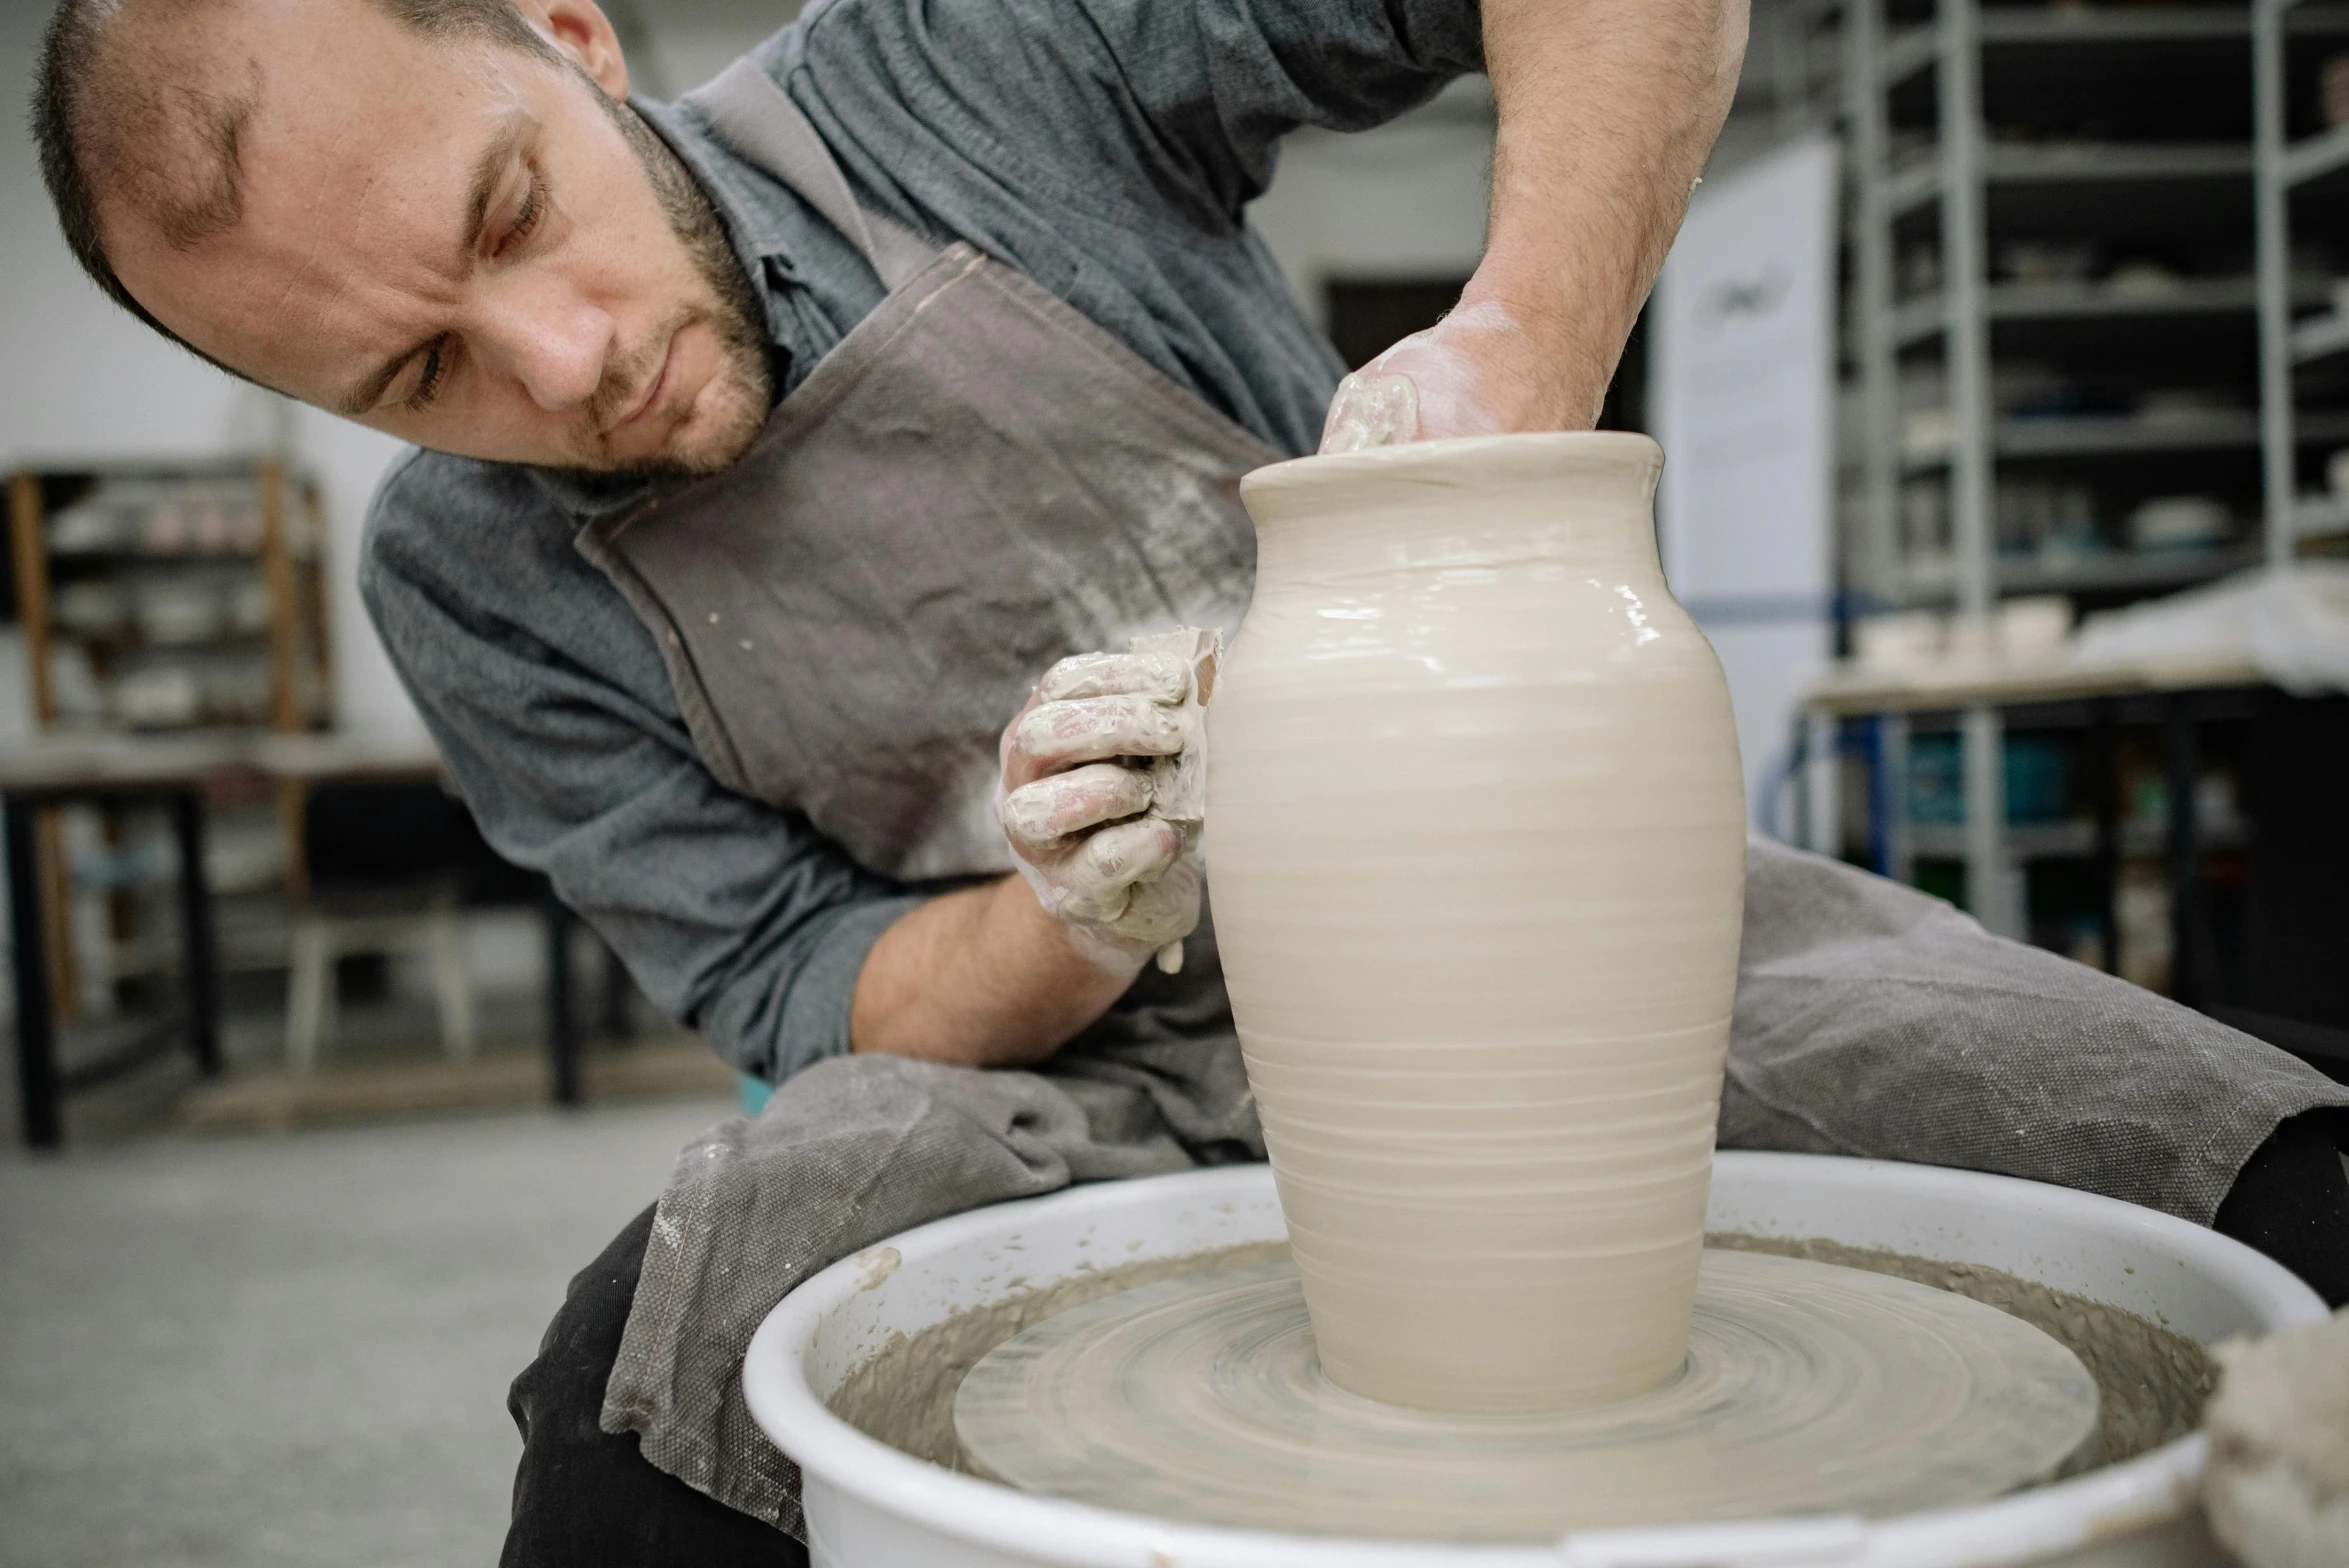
column 164, row 597
column 2060, row 285
column 172, row 596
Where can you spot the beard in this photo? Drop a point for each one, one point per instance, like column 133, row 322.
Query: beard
column 743, row 391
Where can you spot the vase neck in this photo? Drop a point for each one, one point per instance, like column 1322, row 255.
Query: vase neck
column 1486, row 505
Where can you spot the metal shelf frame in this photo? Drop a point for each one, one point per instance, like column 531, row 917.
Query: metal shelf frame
column 1953, row 183
column 1920, row 320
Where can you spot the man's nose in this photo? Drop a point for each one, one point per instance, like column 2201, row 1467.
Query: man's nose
column 555, row 345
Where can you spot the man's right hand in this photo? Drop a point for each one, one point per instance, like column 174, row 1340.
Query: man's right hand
column 1124, row 883
column 1000, row 975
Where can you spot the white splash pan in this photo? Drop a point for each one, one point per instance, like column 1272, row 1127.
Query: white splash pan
column 869, row 1506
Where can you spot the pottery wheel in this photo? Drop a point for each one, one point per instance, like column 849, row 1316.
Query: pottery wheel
column 1809, row 1389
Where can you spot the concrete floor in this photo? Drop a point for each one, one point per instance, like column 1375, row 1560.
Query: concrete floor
column 293, row 1350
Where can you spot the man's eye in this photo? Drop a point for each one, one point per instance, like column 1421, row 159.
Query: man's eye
column 526, row 219
column 428, row 384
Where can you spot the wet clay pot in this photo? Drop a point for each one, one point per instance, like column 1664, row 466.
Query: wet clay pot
column 1475, row 839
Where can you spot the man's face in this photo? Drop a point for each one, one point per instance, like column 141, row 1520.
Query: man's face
column 463, row 245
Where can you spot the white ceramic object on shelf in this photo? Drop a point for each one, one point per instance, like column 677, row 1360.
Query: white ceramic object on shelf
column 869, row 1506
column 1476, row 842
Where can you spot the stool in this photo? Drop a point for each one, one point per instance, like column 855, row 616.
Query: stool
column 427, row 920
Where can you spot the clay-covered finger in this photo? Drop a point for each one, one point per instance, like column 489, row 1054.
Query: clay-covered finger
column 1163, row 909
column 1119, row 856
column 1094, row 729
column 1372, row 408
column 1080, row 798
column 1158, row 676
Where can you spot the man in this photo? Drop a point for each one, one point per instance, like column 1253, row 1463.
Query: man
column 778, row 440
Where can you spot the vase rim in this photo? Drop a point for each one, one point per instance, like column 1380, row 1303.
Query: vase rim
column 1530, row 455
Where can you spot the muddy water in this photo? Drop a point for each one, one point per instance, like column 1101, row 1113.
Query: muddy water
column 2151, row 1382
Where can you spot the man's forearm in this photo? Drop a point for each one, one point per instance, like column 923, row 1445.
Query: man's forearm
column 979, row 978
column 1608, row 110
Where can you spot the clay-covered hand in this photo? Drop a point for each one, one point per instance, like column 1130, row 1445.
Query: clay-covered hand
column 1127, row 884
column 1478, row 372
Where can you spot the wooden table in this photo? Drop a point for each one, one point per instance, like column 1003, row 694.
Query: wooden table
column 1853, row 691
column 179, row 770
column 1977, row 690
column 51, row 772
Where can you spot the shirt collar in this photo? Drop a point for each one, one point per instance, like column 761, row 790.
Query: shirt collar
column 755, row 228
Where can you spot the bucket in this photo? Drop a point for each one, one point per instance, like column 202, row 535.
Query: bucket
column 869, row 1506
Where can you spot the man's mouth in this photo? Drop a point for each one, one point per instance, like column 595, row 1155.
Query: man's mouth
column 650, row 403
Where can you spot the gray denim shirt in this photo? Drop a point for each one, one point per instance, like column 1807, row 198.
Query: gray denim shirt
column 1107, row 149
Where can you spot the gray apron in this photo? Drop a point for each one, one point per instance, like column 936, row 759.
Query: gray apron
column 974, row 483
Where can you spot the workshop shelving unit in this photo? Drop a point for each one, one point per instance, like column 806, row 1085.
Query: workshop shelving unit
column 2061, row 279
column 167, row 596
column 170, row 596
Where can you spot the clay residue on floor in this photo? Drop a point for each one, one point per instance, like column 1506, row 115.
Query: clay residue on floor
column 2150, row 1382
column 903, row 1393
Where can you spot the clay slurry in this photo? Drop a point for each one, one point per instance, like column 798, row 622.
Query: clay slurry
column 1807, row 1389
column 2151, row 1381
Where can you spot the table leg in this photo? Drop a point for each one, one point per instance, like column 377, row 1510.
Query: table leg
column 1892, row 784
column 199, row 957
column 2185, row 849
column 1982, row 749
column 2104, row 767
column 562, row 1026
column 36, row 1033
column 1883, row 832
column 1822, row 825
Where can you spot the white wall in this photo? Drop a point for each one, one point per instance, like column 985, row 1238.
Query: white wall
column 676, row 45
column 1404, row 201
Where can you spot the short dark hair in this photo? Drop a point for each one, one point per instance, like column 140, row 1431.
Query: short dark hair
column 179, row 140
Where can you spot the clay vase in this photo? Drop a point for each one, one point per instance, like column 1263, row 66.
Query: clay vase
column 1475, row 840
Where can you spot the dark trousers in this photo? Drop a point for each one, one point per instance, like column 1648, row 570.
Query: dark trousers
column 586, row 1499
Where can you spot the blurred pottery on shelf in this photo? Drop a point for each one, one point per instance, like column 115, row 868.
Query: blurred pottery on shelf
column 157, row 697
column 2332, row 90
column 1900, row 643
column 2143, row 279
column 180, row 612
column 2182, row 407
column 2337, row 474
column 2180, row 523
column 90, row 609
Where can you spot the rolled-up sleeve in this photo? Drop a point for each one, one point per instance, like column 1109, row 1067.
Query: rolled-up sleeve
column 1222, row 81
column 555, row 715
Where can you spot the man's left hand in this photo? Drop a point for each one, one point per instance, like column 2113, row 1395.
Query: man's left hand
column 1479, row 372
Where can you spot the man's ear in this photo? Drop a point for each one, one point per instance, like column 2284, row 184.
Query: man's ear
column 584, row 33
